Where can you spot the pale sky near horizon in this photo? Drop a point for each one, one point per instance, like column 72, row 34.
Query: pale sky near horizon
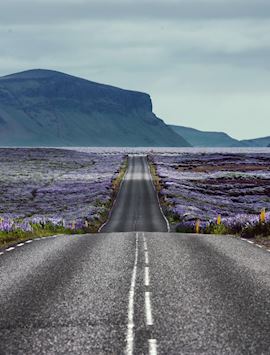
column 205, row 63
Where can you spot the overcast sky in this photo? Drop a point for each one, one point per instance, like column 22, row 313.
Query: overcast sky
column 205, row 63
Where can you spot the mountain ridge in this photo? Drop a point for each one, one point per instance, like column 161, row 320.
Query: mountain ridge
column 198, row 138
column 258, row 142
column 42, row 107
column 49, row 108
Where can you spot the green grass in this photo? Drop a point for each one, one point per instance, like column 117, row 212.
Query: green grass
column 217, row 229
column 155, row 177
column 8, row 238
column 117, row 181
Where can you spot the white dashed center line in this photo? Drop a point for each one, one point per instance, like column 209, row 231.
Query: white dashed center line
column 10, row 249
column 146, row 257
column 152, row 346
column 130, row 330
column 145, row 244
column 152, row 343
column 148, row 310
column 146, row 276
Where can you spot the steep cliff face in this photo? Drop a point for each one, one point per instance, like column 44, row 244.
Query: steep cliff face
column 48, row 108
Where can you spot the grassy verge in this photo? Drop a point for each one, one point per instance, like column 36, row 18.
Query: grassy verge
column 155, row 177
column 258, row 232
column 116, row 183
column 158, row 185
column 9, row 238
column 166, row 207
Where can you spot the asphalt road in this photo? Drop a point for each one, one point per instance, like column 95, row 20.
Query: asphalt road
column 136, row 207
column 135, row 293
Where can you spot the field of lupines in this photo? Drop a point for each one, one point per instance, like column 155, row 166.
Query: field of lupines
column 216, row 192
column 43, row 191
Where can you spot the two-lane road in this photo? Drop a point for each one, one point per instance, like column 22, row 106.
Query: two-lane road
column 135, row 292
column 136, row 207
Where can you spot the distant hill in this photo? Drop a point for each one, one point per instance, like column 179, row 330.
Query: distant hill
column 49, row 108
column 257, row 142
column 207, row 139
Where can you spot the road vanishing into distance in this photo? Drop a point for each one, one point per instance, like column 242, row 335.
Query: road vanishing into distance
column 136, row 207
column 134, row 288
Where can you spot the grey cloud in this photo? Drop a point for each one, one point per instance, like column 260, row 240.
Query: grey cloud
column 255, row 57
column 36, row 12
column 184, row 53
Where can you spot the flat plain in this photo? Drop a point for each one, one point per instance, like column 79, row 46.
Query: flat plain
column 132, row 289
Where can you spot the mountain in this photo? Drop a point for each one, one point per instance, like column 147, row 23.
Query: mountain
column 257, row 142
column 207, row 139
column 48, row 108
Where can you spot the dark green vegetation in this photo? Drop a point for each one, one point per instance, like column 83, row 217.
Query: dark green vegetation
column 199, row 138
column 259, row 230
column 48, row 108
column 9, row 238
